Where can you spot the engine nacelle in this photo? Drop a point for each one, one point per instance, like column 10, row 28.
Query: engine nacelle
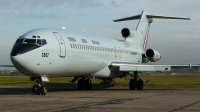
column 126, row 33
column 153, row 55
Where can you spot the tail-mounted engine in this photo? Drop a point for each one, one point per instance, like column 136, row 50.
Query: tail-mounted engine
column 126, row 33
column 153, row 55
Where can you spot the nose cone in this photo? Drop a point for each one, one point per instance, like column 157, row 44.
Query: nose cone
column 21, row 62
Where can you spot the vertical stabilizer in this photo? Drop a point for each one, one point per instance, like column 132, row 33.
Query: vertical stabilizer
column 142, row 30
column 140, row 36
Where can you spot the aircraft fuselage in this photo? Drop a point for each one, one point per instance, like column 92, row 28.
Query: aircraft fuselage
column 69, row 53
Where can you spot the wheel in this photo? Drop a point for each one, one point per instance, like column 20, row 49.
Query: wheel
column 132, row 84
column 35, row 89
column 88, row 84
column 81, row 84
column 140, row 84
column 43, row 90
column 38, row 92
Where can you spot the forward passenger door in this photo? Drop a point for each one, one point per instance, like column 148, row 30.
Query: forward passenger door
column 61, row 44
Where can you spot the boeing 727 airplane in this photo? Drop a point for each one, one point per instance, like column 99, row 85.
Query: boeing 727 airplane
column 53, row 52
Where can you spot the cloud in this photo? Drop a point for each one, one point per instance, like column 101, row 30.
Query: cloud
column 108, row 32
column 39, row 9
column 114, row 3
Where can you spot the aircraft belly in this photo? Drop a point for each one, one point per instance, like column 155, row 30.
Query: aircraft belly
column 106, row 73
column 85, row 64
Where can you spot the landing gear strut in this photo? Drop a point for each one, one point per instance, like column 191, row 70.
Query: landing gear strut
column 84, row 84
column 134, row 83
column 39, row 88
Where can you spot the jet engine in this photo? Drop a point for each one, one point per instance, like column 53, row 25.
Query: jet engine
column 153, row 55
column 126, row 33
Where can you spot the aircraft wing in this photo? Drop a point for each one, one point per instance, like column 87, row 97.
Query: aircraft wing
column 6, row 65
column 130, row 67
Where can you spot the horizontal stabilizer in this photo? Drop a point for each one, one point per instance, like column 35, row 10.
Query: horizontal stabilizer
column 150, row 16
column 128, row 18
column 166, row 17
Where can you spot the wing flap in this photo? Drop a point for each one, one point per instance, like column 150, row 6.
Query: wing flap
column 129, row 66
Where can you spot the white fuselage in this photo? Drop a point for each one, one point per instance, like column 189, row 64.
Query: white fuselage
column 69, row 53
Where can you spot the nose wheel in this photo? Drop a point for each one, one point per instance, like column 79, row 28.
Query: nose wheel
column 36, row 89
column 39, row 88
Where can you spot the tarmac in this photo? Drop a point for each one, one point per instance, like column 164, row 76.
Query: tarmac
column 98, row 99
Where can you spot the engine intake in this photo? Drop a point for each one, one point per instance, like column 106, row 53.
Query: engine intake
column 125, row 32
column 153, row 55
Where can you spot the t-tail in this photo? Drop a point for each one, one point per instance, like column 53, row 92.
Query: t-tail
column 140, row 36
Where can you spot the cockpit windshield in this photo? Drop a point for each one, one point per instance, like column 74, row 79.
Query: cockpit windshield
column 19, row 41
column 25, row 45
column 30, row 41
column 40, row 42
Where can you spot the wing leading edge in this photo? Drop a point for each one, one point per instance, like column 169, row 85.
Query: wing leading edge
column 130, row 67
column 6, row 65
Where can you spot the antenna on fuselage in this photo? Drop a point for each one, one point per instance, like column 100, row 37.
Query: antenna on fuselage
column 63, row 28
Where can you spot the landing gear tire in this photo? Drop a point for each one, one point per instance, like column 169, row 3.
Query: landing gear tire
column 35, row 89
column 43, row 90
column 38, row 93
column 88, row 84
column 81, row 84
column 132, row 84
column 39, row 90
column 140, row 84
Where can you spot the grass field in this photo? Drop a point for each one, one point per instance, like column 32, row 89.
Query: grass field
column 156, row 81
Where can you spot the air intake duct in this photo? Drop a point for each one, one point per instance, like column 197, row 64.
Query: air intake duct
column 153, row 55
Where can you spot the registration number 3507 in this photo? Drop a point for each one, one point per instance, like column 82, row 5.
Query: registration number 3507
column 45, row 54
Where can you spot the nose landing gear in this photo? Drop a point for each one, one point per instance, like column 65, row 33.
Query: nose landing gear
column 38, row 88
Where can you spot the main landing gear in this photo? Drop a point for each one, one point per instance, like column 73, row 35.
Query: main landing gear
column 134, row 83
column 39, row 88
column 84, row 84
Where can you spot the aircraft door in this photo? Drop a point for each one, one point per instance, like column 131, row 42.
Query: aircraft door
column 61, row 44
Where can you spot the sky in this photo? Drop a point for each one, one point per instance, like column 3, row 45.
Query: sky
column 178, row 41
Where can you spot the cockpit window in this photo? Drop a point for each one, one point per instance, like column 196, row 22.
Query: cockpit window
column 41, row 41
column 29, row 41
column 25, row 45
column 19, row 41
column 44, row 42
